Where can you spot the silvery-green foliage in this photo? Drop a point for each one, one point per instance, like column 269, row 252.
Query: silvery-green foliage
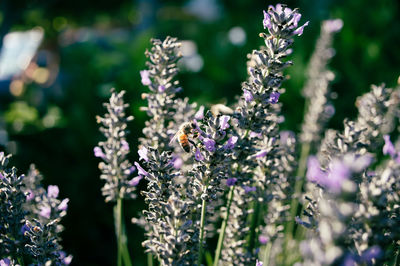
column 115, row 169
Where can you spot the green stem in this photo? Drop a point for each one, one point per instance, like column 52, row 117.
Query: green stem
column 123, row 252
column 254, row 224
column 21, row 261
column 149, row 259
column 267, row 253
column 202, row 222
column 223, row 227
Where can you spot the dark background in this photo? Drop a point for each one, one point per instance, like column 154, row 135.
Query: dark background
column 92, row 46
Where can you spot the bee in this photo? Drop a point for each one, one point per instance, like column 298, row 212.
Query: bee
column 183, row 135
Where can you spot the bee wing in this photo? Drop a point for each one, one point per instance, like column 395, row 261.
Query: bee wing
column 174, row 138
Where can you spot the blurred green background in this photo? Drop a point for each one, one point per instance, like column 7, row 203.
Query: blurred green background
column 47, row 114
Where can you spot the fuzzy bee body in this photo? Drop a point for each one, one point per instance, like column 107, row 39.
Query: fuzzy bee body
column 185, row 130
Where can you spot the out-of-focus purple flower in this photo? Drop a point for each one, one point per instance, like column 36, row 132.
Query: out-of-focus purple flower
column 45, row 212
column 285, row 135
column 63, row 206
column 299, row 30
column 261, row 154
column 248, row 189
column 263, row 239
column 1, row 176
column 338, row 172
column 200, row 113
column 125, row 145
column 267, row 20
column 198, row 156
column 349, row 260
column 5, row 262
column 388, row 148
column 24, row 228
column 52, row 191
column 141, row 171
column 373, row 252
column 255, row 135
column 259, row 263
column 98, row 152
column 161, row 88
column 274, row 97
column 30, row 196
column 130, row 170
column 179, row 89
column 64, row 258
column 314, row 172
column 223, row 122
column 333, row 25
column 209, row 144
column 135, row 181
column 248, row 96
column 231, row 181
column 178, row 162
column 144, row 74
column 143, row 154
column 230, row 144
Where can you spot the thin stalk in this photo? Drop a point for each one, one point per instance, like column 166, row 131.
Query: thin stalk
column 254, row 224
column 149, row 259
column 267, row 253
column 202, row 222
column 21, row 261
column 123, row 252
column 223, row 227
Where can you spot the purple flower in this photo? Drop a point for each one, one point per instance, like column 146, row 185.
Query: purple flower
column 338, row 172
column 52, row 191
column 230, row 144
column 231, row 181
column 1, row 176
column 64, row 258
column 388, row 148
column 209, row 144
column 261, row 154
column 295, row 20
column 349, row 260
column 314, row 172
column 299, row 30
column 24, row 228
column 135, row 181
column 45, row 212
column 98, row 152
column 63, row 206
column 248, row 96
column 30, row 196
column 371, row 253
column 178, row 162
column 141, row 171
column 200, row 113
column 333, row 25
column 161, row 88
column 130, row 170
column 274, row 97
column 223, row 122
column 255, row 135
column 145, row 77
column 263, row 239
column 259, row 263
column 143, row 154
column 5, row 262
column 248, row 189
column 267, row 20
column 198, row 156
column 125, row 145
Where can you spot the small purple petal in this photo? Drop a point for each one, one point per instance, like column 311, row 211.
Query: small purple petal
column 24, row 228
column 371, row 253
column 30, row 195
column 230, row 144
column 209, row 144
column 255, row 135
column 223, row 122
column 98, row 152
column 296, row 19
column 261, row 154
column 263, row 239
column 141, row 171
column 63, row 206
column 200, row 113
column 5, row 262
column 274, row 97
column 349, row 260
column 259, row 263
column 248, row 96
column 179, row 89
column 143, row 154
column 125, row 145
column 45, row 212
column 248, row 189
column 135, row 181
column 178, row 162
column 231, row 181
column 130, row 170
column 338, row 172
column 52, row 191
column 314, row 172
column 145, row 77
column 299, row 30
column 1, row 176
column 161, row 88
column 388, row 148
column 267, row 20
column 198, row 156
